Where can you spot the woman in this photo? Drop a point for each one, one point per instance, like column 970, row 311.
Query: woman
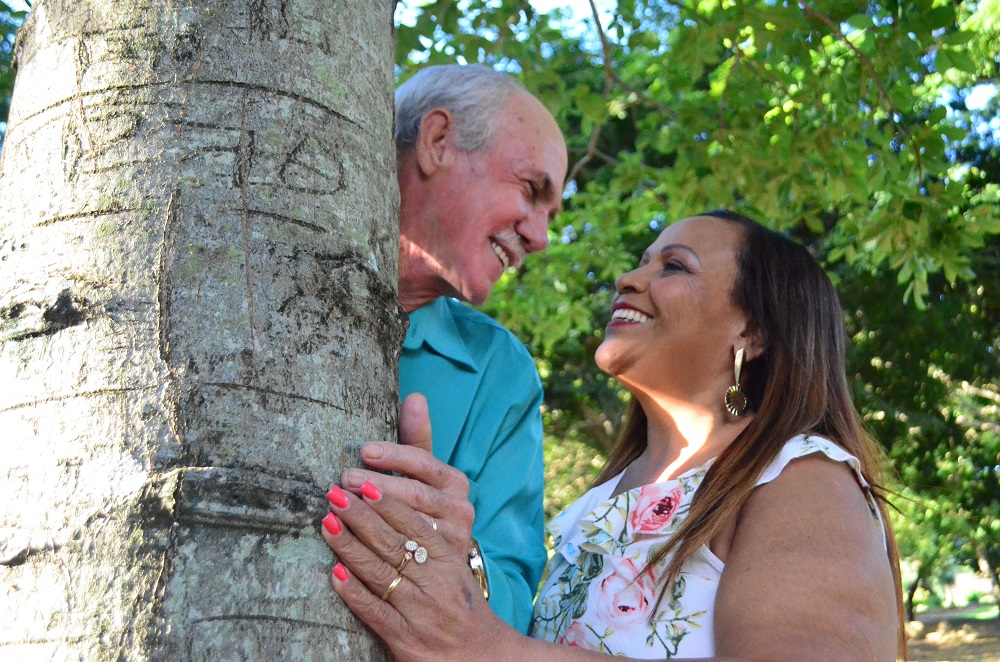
column 739, row 516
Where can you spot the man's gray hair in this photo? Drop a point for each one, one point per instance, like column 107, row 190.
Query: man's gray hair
column 471, row 93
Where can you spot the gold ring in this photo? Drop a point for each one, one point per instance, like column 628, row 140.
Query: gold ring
column 406, row 559
column 392, row 587
column 434, row 524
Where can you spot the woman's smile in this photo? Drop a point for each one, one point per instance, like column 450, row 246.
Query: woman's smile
column 622, row 314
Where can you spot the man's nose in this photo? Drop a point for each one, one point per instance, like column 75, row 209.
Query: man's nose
column 535, row 232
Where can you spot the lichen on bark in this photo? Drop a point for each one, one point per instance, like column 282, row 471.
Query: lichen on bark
column 197, row 317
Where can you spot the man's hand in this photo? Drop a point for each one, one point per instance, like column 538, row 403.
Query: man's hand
column 426, row 484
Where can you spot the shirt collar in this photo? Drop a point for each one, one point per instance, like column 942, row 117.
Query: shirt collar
column 434, row 325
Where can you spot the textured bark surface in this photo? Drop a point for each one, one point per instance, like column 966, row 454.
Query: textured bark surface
column 197, row 312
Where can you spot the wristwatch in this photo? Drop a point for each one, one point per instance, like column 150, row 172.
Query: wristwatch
column 478, row 567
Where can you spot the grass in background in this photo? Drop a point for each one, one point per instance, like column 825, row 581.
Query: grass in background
column 570, row 469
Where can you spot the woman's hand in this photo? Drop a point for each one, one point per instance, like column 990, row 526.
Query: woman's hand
column 421, row 599
column 428, row 485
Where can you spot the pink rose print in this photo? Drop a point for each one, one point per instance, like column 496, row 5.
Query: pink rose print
column 578, row 635
column 625, row 598
column 652, row 513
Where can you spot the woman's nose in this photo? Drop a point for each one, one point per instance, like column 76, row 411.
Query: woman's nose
column 631, row 281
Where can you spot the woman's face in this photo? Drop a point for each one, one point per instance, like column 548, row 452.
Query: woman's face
column 673, row 322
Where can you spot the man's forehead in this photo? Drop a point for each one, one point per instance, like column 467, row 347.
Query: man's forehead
column 525, row 112
column 528, row 133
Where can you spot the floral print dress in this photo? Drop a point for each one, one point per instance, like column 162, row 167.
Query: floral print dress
column 594, row 597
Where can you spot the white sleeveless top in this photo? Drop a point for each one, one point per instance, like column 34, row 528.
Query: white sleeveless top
column 594, row 598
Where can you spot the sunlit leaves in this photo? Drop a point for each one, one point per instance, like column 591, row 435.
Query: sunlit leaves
column 841, row 122
column 9, row 22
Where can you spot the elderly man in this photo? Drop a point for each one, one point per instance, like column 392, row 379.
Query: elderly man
column 480, row 164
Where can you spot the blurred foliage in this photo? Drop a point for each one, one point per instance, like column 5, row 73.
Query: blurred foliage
column 10, row 20
column 844, row 124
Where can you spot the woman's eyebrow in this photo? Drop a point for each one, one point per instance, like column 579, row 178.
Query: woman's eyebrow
column 673, row 247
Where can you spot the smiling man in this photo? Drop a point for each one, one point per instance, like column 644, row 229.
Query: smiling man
column 480, row 164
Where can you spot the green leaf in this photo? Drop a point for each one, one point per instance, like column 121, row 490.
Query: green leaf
column 912, row 210
column 644, row 39
column 941, row 17
column 860, row 21
column 952, row 58
column 963, row 61
column 958, row 38
column 592, row 105
column 943, row 60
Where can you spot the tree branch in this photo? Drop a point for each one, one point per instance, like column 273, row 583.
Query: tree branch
column 609, row 77
column 669, row 112
column 866, row 61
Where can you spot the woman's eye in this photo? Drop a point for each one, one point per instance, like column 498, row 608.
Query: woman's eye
column 673, row 265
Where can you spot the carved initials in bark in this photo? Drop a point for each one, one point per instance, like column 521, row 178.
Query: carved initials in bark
column 197, row 308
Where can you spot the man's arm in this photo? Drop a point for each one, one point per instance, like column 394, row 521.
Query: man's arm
column 507, row 494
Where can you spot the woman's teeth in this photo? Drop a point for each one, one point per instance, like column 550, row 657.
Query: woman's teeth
column 629, row 315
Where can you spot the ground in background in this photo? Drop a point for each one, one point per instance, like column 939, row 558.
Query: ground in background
column 950, row 636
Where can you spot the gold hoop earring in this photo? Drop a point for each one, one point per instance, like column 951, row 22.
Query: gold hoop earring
column 737, row 401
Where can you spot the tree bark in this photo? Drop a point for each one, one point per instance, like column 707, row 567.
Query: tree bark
column 198, row 250
column 911, row 591
column 990, row 569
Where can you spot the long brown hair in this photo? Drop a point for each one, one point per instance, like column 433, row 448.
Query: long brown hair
column 797, row 386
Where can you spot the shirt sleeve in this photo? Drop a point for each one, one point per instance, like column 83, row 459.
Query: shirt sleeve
column 484, row 396
column 507, row 494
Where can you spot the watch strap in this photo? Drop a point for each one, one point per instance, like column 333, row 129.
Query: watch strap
column 478, row 567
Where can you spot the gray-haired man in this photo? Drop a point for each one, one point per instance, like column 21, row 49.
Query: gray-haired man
column 480, row 164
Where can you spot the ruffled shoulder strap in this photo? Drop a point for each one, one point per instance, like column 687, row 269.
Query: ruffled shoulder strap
column 804, row 445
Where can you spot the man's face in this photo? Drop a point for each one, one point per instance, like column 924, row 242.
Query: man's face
column 491, row 208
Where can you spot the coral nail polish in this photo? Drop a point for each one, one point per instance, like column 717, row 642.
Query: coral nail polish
column 370, row 491
column 332, row 525
column 340, row 572
column 337, row 497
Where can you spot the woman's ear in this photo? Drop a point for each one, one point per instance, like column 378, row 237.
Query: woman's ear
column 752, row 342
column 434, row 141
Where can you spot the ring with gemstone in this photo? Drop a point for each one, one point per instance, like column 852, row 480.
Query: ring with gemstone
column 419, row 553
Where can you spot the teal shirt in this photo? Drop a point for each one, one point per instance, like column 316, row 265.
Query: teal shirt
column 483, row 392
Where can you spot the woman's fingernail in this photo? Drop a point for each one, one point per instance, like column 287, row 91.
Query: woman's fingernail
column 354, row 478
column 370, row 491
column 340, row 572
column 372, row 451
column 337, row 497
column 332, row 525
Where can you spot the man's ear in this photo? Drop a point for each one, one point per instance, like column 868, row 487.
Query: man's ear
column 434, row 141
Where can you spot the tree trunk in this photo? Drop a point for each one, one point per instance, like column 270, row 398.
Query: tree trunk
column 990, row 569
column 198, row 251
column 911, row 591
